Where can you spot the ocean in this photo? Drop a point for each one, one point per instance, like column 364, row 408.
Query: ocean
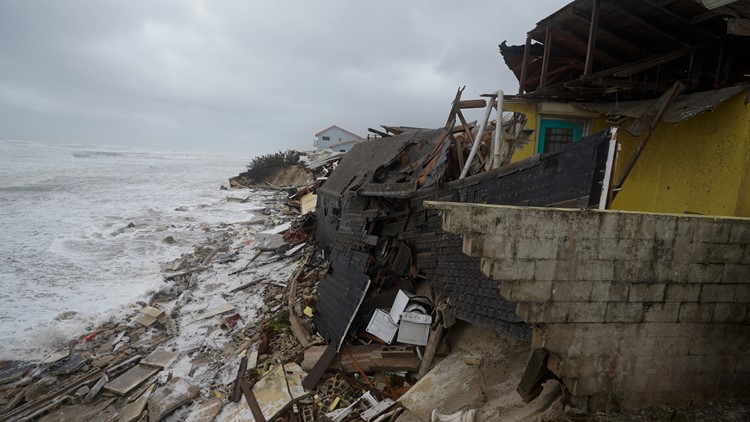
column 84, row 228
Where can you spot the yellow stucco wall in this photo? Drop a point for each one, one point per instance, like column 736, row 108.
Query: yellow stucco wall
column 529, row 109
column 699, row 165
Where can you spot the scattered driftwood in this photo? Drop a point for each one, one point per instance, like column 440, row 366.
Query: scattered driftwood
column 215, row 251
column 184, row 273
column 246, row 267
column 247, row 285
column 237, row 389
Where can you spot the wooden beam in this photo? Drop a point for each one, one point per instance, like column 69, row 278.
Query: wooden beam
column 593, row 28
column 472, row 103
column 663, row 8
column 603, row 55
column 524, row 65
column 545, row 57
column 377, row 132
column 623, row 10
column 641, row 65
column 610, row 32
column 651, row 118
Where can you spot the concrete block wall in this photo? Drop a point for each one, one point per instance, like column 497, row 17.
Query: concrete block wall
column 652, row 307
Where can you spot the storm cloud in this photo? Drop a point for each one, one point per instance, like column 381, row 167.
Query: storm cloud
column 245, row 77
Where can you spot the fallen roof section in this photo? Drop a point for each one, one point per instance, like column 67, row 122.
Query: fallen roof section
column 681, row 109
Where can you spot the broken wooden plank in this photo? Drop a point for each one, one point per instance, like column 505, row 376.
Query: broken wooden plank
column 370, row 358
column 237, row 389
column 653, row 117
column 247, row 285
column 252, row 402
column 169, row 397
column 321, row 366
column 472, row 103
column 299, row 330
column 429, row 352
column 223, row 308
column 172, row 276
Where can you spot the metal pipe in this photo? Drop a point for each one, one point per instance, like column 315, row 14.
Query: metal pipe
column 607, row 181
column 478, row 139
column 498, row 131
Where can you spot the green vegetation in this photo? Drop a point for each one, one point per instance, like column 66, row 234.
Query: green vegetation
column 278, row 324
column 263, row 166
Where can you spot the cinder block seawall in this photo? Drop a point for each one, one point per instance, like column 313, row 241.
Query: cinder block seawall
column 650, row 307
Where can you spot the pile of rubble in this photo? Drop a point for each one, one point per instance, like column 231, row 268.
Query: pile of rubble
column 231, row 337
column 228, row 335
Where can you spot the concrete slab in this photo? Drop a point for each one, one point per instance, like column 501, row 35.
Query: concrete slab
column 57, row 356
column 132, row 411
column 154, row 312
column 449, row 386
column 279, row 388
column 160, row 358
column 145, row 320
column 272, row 393
column 131, row 379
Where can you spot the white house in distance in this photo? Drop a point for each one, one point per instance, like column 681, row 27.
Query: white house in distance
column 336, row 139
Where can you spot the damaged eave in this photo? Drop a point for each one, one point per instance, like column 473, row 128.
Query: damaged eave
column 683, row 107
column 594, row 49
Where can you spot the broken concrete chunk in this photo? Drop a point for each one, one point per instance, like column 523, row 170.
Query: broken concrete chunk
column 57, row 356
column 449, row 386
column 207, row 411
column 169, row 397
column 160, row 358
column 460, row 416
column 132, row 411
column 279, row 388
column 534, row 376
column 145, row 320
column 131, row 379
column 550, row 391
column 154, row 312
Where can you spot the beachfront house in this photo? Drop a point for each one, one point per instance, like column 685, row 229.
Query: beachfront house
column 336, row 139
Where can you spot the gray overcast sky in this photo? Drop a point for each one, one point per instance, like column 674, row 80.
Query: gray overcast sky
column 245, row 77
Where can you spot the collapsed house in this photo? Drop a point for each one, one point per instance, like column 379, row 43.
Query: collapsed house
column 637, row 114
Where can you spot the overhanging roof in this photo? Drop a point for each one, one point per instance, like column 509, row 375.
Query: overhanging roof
column 592, row 50
column 681, row 109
